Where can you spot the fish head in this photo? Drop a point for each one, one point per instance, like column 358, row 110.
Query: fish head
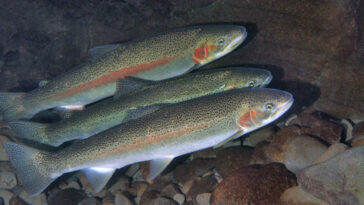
column 217, row 41
column 264, row 105
column 247, row 78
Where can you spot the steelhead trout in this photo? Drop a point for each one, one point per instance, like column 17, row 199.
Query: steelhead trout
column 154, row 58
column 159, row 137
column 110, row 113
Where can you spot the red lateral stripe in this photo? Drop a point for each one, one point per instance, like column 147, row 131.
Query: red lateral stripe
column 115, row 75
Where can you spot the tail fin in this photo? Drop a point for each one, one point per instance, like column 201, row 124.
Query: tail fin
column 11, row 106
column 30, row 130
column 32, row 170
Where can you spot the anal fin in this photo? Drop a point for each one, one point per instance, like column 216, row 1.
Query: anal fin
column 156, row 166
column 98, row 177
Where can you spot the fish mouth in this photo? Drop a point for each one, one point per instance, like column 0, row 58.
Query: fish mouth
column 235, row 42
column 268, row 80
column 282, row 108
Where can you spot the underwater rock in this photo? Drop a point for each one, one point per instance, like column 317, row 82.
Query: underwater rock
column 179, row 198
column 232, row 158
column 301, row 152
column 149, row 196
column 121, row 199
column 358, row 134
column 7, row 180
column 337, row 180
column 260, row 154
column 280, row 141
column 3, row 154
column 205, row 185
column 254, row 184
column 17, row 201
column 89, row 201
column 297, row 196
column 332, row 151
column 197, row 167
column 256, row 137
column 6, row 195
column 121, row 184
column 203, row 199
column 108, row 199
column 170, row 190
column 140, row 187
column 67, row 196
column 38, row 199
column 162, row 201
column 329, row 131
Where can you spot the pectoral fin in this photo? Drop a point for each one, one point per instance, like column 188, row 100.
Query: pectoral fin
column 126, row 85
column 98, row 177
column 156, row 166
column 98, row 51
column 236, row 135
column 139, row 112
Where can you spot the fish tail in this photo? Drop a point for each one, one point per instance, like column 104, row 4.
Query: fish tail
column 12, row 107
column 31, row 167
column 31, row 130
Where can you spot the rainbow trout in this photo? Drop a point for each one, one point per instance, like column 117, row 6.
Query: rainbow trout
column 159, row 137
column 110, row 113
column 154, row 58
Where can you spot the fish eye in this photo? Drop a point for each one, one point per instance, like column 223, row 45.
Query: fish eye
column 221, row 41
column 269, row 106
column 252, row 83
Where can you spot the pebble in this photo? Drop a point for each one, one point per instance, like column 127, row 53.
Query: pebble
column 122, row 183
column 203, row 199
column 332, row 151
column 40, row 199
column 301, row 152
column 329, row 131
column 187, row 185
column 6, row 195
column 140, row 188
column 232, row 158
column 358, row 134
column 337, row 180
column 3, row 154
column 89, row 201
column 297, row 196
column 68, row 196
column 179, row 198
column 74, row 184
column 279, row 142
column 206, row 184
column 7, row 180
column 256, row 137
column 192, row 169
column 108, row 199
column 255, row 184
column 162, row 201
column 17, row 201
column 149, row 196
column 170, row 190
column 121, row 199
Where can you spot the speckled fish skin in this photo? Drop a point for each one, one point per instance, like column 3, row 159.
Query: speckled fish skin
column 157, row 57
column 166, row 133
column 110, row 113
